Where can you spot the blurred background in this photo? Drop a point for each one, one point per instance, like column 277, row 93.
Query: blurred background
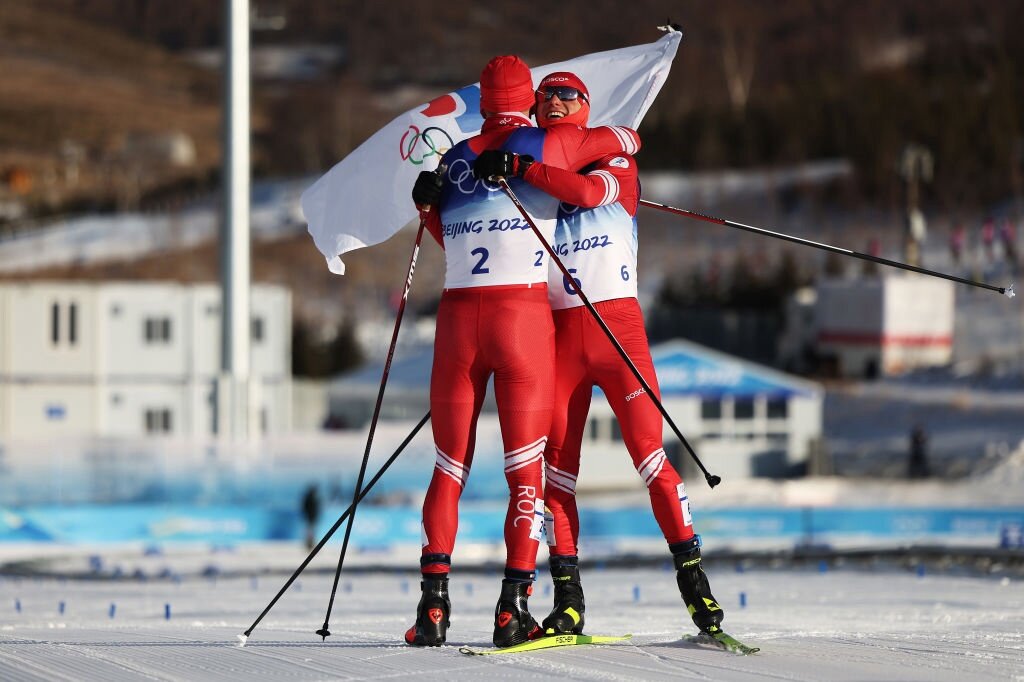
column 845, row 405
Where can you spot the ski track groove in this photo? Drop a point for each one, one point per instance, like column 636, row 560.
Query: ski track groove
column 938, row 629
column 667, row 662
column 45, row 673
column 96, row 658
column 932, row 659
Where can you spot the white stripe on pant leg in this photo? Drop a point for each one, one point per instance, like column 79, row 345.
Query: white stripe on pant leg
column 560, row 479
column 448, row 466
column 517, row 459
column 540, row 441
column 651, row 466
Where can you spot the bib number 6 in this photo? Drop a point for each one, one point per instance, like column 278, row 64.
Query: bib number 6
column 568, row 287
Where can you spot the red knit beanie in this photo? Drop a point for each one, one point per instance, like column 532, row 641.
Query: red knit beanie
column 506, row 85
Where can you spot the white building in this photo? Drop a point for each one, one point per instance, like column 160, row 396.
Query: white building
column 131, row 359
column 886, row 325
column 742, row 419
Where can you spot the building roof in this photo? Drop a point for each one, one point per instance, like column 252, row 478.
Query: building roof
column 687, row 368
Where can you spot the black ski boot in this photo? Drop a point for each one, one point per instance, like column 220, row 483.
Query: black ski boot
column 432, row 614
column 567, row 615
column 693, row 585
column 513, row 623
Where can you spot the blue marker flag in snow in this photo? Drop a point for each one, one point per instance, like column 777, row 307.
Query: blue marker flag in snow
column 365, row 198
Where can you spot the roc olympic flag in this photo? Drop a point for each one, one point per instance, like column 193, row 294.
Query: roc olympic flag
column 365, row 198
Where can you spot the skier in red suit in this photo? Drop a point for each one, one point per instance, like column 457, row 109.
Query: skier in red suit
column 494, row 319
column 596, row 239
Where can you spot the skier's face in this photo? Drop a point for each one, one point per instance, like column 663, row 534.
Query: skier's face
column 551, row 109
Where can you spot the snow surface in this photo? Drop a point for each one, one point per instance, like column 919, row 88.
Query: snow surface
column 841, row 624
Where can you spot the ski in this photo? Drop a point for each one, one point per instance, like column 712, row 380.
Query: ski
column 546, row 643
column 721, row 640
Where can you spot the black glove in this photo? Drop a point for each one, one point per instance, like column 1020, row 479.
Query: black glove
column 427, row 190
column 497, row 163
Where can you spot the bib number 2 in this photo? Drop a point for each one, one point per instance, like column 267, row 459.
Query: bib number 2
column 479, row 268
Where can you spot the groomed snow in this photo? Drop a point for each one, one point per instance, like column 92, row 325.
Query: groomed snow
column 811, row 625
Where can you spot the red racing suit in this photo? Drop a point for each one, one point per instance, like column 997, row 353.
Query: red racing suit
column 596, row 240
column 494, row 319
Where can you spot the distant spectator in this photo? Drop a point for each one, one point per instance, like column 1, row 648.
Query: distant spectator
column 311, row 512
column 917, row 466
column 1008, row 237
column 988, row 238
column 957, row 241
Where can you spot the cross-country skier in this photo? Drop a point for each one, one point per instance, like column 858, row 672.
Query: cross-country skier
column 494, row 318
column 596, row 240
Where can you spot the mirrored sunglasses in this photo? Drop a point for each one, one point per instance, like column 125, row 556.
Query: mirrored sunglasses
column 564, row 93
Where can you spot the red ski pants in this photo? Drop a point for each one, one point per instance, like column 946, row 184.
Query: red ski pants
column 585, row 357
column 507, row 332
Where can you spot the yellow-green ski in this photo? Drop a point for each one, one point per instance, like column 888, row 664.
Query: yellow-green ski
column 546, row 643
column 722, row 640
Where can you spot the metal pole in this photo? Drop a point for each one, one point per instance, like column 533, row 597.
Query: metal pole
column 234, row 238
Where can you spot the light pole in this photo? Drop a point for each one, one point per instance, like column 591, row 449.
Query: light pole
column 916, row 166
column 233, row 385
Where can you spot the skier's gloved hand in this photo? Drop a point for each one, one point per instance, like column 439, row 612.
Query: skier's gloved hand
column 499, row 163
column 427, row 190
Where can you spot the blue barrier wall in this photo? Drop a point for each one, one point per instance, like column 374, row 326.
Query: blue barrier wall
column 483, row 522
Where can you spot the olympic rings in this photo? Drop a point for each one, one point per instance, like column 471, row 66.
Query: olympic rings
column 460, row 174
column 409, row 144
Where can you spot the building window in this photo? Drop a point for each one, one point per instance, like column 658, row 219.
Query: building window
column 711, row 409
column 55, row 323
column 743, row 408
column 257, row 329
column 778, row 408
column 158, row 420
column 158, row 330
column 72, row 323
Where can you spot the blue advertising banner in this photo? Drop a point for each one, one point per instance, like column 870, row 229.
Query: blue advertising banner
column 484, row 522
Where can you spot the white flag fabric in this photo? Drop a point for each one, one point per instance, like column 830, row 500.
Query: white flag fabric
column 365, row 198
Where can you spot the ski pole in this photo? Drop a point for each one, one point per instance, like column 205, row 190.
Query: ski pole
column 337, row 524
column 325, row 631
column 1007, row 291
column 709, row 477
